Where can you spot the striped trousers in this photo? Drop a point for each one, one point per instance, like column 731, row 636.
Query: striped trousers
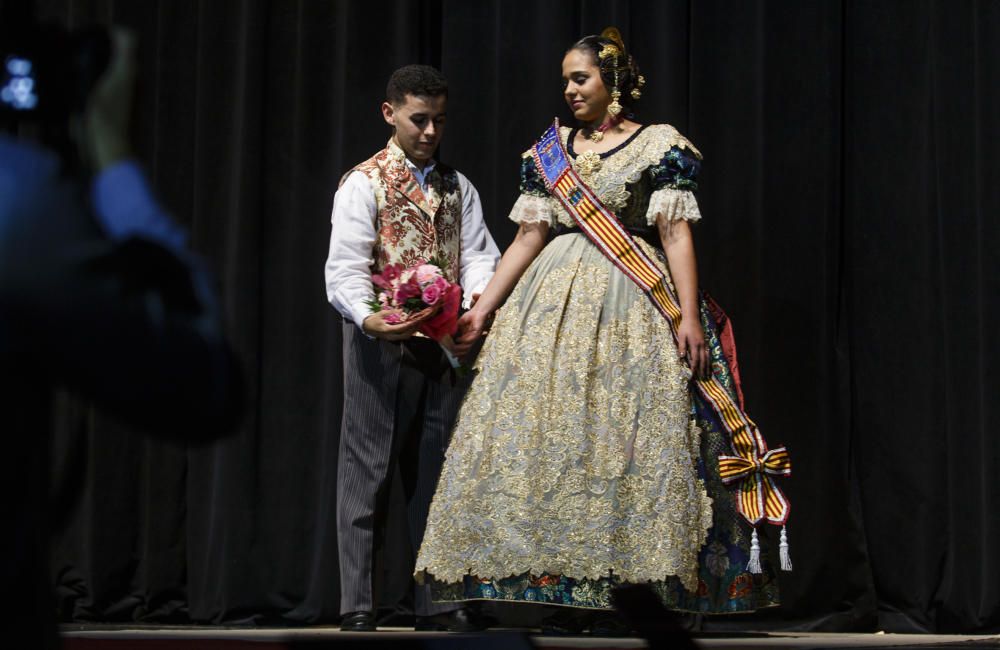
column 400, row 403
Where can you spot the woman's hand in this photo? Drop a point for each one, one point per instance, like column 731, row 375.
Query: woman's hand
column 471, row 328
column 692, row 348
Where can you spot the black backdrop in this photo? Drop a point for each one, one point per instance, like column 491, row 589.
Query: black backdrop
column 850, row 201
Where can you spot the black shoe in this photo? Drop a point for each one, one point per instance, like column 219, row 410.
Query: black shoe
column 358, row 622
column 564, row 621
column 463, row 620
column 609, row 624
column 690, row 622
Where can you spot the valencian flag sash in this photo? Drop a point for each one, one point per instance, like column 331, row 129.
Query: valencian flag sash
column 751, row 466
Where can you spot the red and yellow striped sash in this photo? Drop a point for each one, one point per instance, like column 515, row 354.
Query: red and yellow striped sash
column 751, row 466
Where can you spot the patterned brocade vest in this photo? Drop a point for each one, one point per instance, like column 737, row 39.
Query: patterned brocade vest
column 412, row 225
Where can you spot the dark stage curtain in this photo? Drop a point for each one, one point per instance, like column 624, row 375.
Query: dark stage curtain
column 849, row 178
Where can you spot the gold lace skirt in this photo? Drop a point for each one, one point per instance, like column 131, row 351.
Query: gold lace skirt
column 575, row 450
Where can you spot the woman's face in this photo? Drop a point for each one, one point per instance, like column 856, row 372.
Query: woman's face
column 583, row 87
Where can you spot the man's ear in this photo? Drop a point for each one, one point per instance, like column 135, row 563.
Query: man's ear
column 389, row 114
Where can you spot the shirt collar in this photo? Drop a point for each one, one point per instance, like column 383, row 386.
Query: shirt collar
column 420, row 174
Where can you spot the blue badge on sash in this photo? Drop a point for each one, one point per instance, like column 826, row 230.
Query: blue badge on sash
column 550, row 155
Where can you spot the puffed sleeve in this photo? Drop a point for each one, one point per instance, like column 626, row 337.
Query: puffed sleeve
column 535, row 204
column 674, row 182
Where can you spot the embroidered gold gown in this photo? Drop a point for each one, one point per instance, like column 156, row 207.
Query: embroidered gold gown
column 576, row 461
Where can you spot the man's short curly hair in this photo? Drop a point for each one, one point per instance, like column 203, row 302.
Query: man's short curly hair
column 417, row 80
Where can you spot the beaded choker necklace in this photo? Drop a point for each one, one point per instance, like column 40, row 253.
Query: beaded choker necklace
column 598, row 134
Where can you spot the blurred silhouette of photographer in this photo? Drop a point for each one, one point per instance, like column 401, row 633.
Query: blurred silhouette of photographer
column 98, row 291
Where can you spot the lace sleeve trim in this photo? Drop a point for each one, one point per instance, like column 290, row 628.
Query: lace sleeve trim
column 531, row 209
column 673, row 205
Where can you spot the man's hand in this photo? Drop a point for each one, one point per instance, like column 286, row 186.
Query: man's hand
column 692, row 348
column 377, row 326
column 106, row 117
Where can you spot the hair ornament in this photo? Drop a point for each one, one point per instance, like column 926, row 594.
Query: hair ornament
column 609, row 50
column 615, row 107
column 612, row 34
column 613, row 50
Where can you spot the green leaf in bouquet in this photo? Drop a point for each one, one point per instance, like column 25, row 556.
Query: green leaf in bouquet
column 439, row 262
column 414, row 304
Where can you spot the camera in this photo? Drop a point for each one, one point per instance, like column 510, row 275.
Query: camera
column 48, row 72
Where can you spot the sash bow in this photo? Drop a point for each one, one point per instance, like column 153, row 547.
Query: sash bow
column 759, row 498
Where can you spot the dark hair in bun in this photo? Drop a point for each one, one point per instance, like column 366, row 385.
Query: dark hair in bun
column 628, row 69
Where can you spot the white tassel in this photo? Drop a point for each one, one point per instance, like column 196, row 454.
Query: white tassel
column 786, row 559
column 753, row 566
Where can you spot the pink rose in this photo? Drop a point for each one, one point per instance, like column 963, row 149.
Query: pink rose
column 426, row 273
column 393, row 318
column 441, row 284
column 431, row 295
column 444, row 322
column 391, row 272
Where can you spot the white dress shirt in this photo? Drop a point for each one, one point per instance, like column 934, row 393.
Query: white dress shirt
column 353, row 234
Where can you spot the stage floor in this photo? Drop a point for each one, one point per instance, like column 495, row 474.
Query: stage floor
column 90, row 637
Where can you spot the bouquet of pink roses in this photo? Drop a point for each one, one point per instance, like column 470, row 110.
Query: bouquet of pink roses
column 415, row 289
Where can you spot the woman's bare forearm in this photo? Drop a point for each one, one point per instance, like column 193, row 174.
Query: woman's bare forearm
column 678, row 244
column 519, row 255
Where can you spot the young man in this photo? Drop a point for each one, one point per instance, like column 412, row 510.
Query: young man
column 400, row 395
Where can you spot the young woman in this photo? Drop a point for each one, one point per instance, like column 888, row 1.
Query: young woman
column 582, row 458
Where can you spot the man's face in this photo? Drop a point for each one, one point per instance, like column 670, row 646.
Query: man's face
column 419, row 123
